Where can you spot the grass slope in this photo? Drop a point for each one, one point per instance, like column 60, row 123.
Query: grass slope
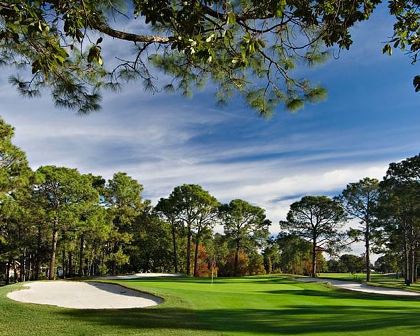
column 237, row 306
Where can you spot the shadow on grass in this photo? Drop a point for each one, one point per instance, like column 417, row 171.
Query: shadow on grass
column 356, row 312
column 294, row 319
column 339, row 293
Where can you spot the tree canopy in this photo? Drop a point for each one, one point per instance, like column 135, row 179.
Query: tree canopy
column 399, row 213
column 359, row 200
column 247, row 46
column 14, row 169
column 244, row 224
column 196, row 210
column 317, row 219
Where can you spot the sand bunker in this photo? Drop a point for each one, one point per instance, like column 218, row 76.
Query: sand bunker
column 140, row 276
column 83, row 295
column 360, row 287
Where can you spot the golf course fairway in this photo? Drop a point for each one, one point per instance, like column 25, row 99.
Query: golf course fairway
column 261, row 305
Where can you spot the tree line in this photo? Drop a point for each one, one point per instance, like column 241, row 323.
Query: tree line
column 56, row 221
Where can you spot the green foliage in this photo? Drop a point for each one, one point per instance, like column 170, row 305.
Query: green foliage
column 245, row 226
column 150, row 249
column 64, row 194
column 387, row 263
column 352, row 263
column 360, row 200
column 315, row 217
column 398, row 213
column 244, row 46
column 194, row 211
column 318, row 220
column 14, row 169
column 294, row 253
column 123, row 197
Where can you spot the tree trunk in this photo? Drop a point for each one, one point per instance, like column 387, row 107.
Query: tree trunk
column 15, row 271
column 406, row 261
column 188, row 261
column 367, row 251
column 174, row 247
column 412, row 265
column 236, row 261
column 22, row 274
column 197, row 242
column 38, row 253
column 63, row 262
column 81, row 252
column 314, row 261
column 70, row 268
column 51, row 273
column 269, row 269
column 8, row 271
column 29, row 266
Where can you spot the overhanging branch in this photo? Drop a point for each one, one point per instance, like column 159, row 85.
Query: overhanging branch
column 104, row 28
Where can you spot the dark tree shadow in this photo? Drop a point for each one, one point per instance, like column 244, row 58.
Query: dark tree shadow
column 340, row 293
column 123, row 290
column 292, row 320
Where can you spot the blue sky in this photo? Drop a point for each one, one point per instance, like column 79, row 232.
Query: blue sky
column 371, row 117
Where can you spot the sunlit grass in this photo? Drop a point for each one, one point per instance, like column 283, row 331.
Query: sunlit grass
column 275, row 305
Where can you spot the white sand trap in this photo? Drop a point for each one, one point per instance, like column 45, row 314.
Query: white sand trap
column 360, row 287
column 140, row 276
column 83, row 295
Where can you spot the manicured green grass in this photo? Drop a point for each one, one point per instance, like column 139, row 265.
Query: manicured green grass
column 344, row 276
column 274, row 305
column 382, row 280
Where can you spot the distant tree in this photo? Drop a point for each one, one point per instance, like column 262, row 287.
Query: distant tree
column 317, row 219
column 63, row 193
column 168, row 209
column 229, row 43
column 399, row 212
column 150, row 249
column 352, row 263
column 15, row 175
column 359, row 200
column 335, row 266
column 16, row 236
column 92, row 230
column 271, row 256
column 14, row 169
column 243, row 223
column 256, row 263
column 218, row 250
column 197, row 210
column 242, row 262
column 296, row 255
column 388, row 263
column 203, row 268
column 123, row 197
column 124, row 203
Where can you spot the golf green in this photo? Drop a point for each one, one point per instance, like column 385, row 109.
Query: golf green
column 264, row 305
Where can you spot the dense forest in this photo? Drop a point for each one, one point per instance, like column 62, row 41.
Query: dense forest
column 57, row 222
